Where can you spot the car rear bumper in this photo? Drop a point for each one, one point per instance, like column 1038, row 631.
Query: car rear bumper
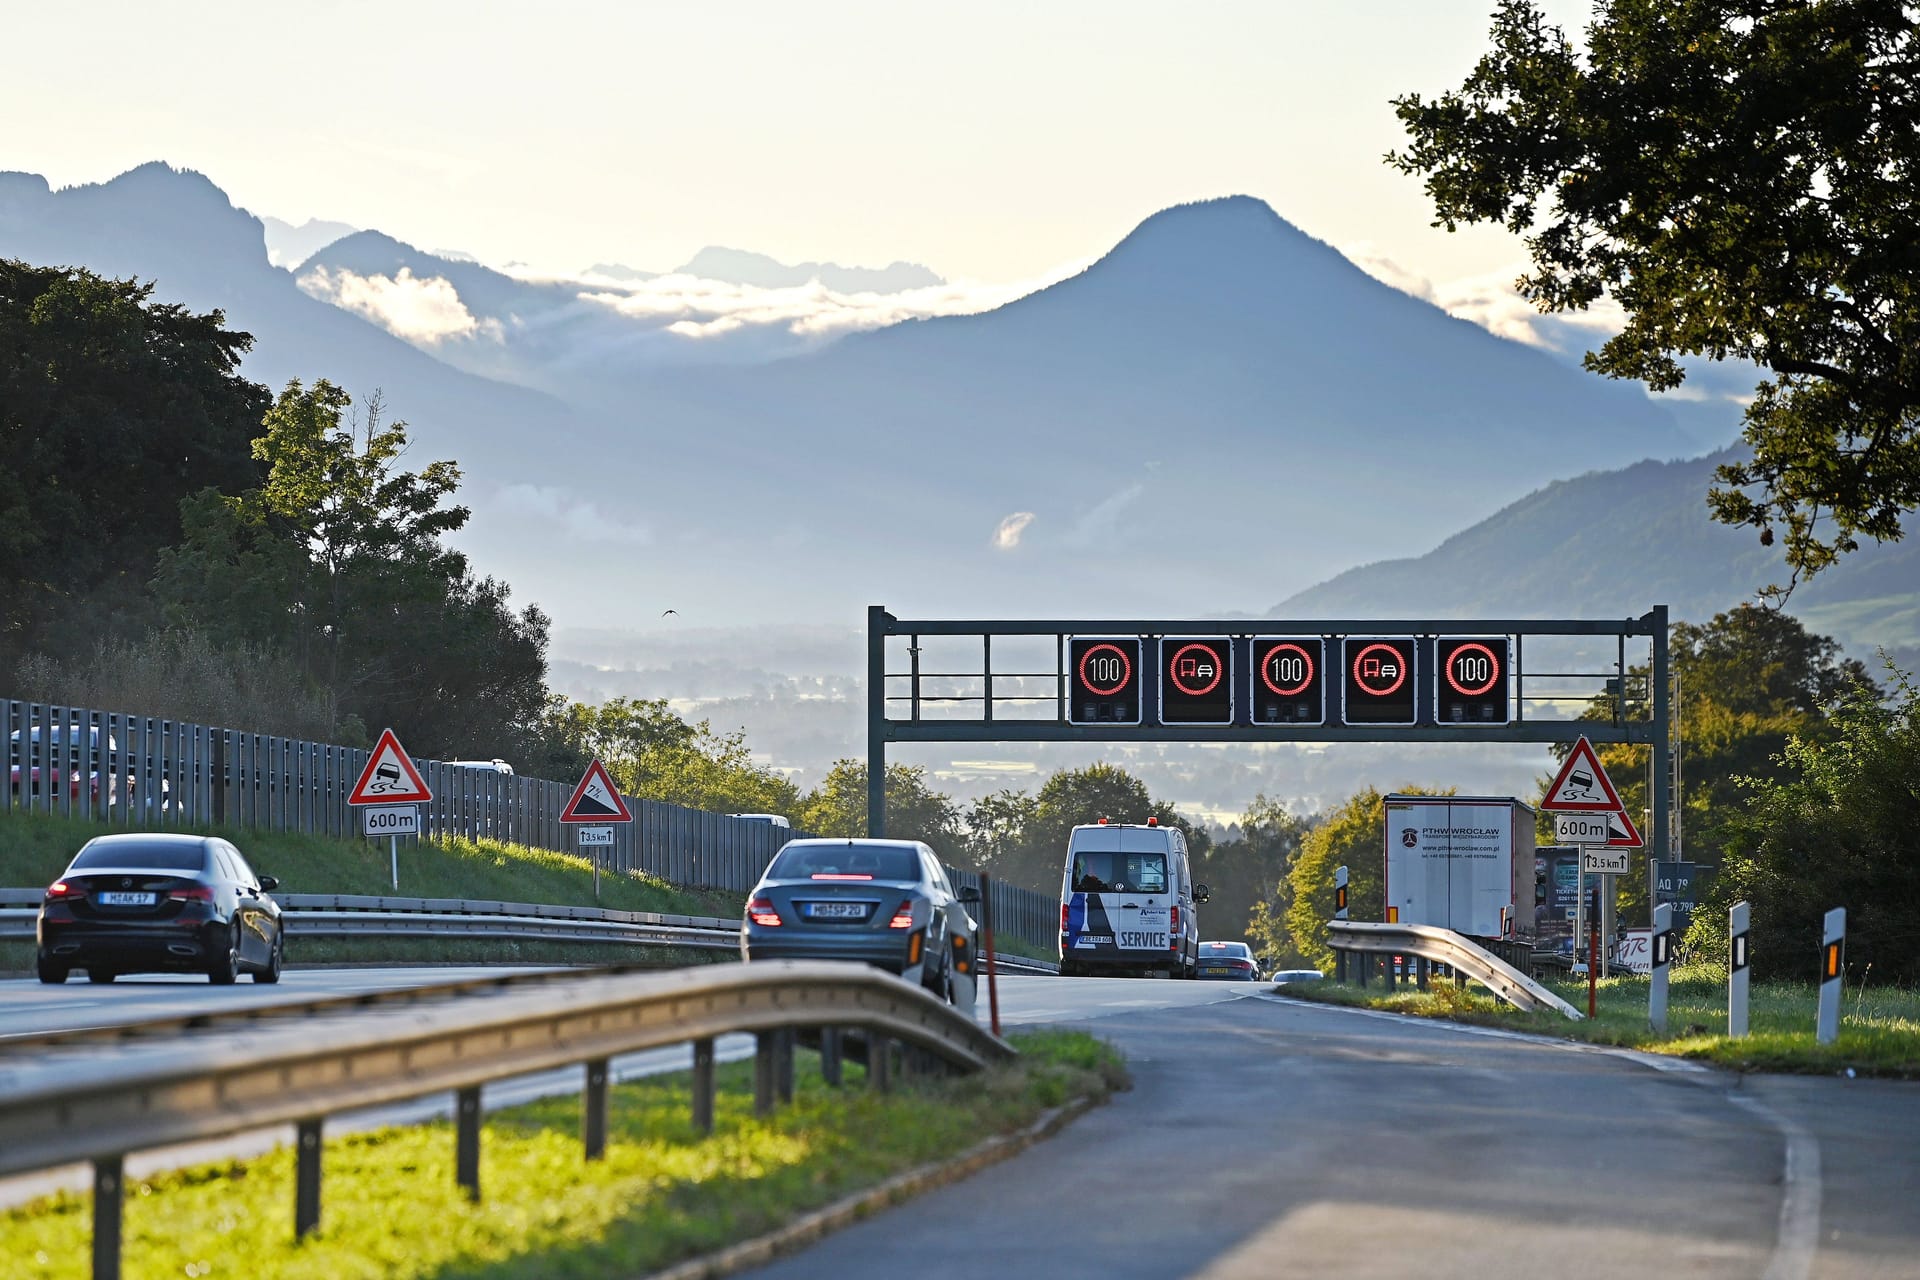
column 888, row 951
column 146, row 947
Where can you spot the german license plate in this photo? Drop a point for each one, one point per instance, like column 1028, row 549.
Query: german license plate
column 1213, row 968
column 836, row 911
column 118, row 899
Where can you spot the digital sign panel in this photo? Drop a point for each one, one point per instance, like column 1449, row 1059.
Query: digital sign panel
column 1471, row 687
column 1378, row 679
column 1103, row 680
column 1196, row 680
column 1289, row 680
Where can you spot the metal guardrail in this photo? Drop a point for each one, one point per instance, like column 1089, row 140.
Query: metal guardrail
column 1444, row 946
column 323, row 915
column 182, row 1082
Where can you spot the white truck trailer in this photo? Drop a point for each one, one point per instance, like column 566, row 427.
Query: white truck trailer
column 1459, row 862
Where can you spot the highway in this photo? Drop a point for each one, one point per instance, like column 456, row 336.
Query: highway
column 1266, row 1137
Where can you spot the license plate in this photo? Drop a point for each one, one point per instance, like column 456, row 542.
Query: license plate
column 1213, row 968
column 837, row 910
column 118, row 899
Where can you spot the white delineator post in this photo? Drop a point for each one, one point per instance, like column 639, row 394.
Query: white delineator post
column 1738, row 958
column 1662, row 958
column 1339, row 893
column 1833, row 947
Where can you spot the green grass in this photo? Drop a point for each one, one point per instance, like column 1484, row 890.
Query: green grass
column 35, row 848
column 663, row 1193
column 1879, row 1026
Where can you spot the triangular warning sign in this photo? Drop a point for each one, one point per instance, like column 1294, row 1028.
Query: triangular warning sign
column 1621, row 833
column 389, row 777
column 1582, row 786
column 596, row 799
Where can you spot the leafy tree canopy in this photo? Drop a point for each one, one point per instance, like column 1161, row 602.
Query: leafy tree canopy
column 1025, row 842
column 915, row 811
column 337, row 560
column 1348, row 837
column 1833, row 827
column 1739, row 175
column 113, row 408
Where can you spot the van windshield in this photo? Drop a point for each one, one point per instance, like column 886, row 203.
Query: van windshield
column 1120, row 872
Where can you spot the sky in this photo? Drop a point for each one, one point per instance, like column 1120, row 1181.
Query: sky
column 991, row 141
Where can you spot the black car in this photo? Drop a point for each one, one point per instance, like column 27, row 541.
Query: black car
column 160, row 903
column 1230, row 960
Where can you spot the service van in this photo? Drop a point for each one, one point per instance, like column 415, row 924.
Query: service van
column 1127, row 902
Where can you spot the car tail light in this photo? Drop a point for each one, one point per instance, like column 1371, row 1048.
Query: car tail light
column 761, row 911
column 61, row 889
column 190, row 893
column 1063, row 917
column 902, row 915
column 1174, row 916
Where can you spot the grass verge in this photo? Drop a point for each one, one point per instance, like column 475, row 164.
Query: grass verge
column 1879, row 1026
column 36, row 847
column 662, row 1194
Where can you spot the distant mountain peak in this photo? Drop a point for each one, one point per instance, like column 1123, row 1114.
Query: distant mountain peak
column 745, row 267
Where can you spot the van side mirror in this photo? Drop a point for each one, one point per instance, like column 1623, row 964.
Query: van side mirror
column 1201, row 893
column 969, row 895
column 269, row 883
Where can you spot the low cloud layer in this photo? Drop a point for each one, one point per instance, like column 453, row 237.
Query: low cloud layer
column 563, row 509
column 423, row 311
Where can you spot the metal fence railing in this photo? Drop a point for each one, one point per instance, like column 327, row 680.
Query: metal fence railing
column 141, row 771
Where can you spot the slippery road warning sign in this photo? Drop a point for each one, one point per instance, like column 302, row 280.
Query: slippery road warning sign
column 1582, row 786
column 390, row 777
column 596, row 799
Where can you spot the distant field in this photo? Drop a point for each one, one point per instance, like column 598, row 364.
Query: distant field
column 35, row 848
column 1879, row 1025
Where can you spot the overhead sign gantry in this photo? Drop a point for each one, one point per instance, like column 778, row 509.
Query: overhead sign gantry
column 1259, row 680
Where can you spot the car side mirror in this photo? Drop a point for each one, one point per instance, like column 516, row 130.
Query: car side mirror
column 1201, row 893
column 970, row 895
column 269, row 883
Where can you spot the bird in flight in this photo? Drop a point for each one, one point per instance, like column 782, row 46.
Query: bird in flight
column 667, row 611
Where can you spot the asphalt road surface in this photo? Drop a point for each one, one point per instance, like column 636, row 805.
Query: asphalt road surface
column 1268, row 1138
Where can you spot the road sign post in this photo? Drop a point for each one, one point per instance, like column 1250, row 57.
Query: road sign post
column 595, row 801
column 1662, row 958
column 1833, row 946
column 1738, row 960
column 388, row 785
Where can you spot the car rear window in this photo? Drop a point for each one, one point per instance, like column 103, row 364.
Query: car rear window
column 159, row 856
column 1229, row 950
column 854, row 861
column 1101, row 872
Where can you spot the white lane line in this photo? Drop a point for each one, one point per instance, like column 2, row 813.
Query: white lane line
column 1798, row 1236
column 1800, row 1194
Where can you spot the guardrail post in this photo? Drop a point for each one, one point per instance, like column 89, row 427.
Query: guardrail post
column 107, row 1201
column 1363, row 961
column 593, row 1117
column 306, row 1177
column 1833, row 942
column 1662, row 959
column 1738, row 960
column 466, row 1149
column 764, row 1071
column 783, row 1064
column 703, row 1085
column 830, row 1056
column 879, row 1062
column 1340, row 965
column 1421, row 972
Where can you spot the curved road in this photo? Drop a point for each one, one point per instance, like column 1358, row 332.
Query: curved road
column 1266, row 1137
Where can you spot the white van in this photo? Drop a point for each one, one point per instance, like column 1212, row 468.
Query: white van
column 1127, row 902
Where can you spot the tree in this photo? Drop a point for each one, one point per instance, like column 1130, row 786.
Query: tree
column 1349, row 837
column 838, row 807
column 1833, row 827
column 1030, row 841
column 1738, row 175
column 113, row 408
column 1750, row 681
column 1249, row 880
column 337, row 560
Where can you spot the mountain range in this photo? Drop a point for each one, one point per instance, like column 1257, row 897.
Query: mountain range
column 1219, row 413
